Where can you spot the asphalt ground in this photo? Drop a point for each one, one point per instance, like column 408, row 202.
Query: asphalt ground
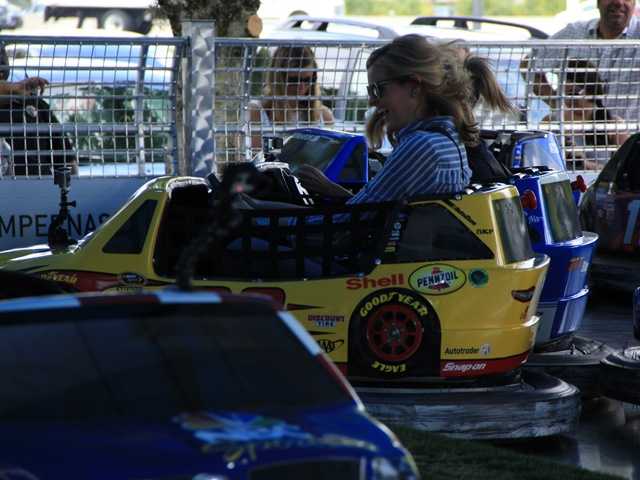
column 608, row 436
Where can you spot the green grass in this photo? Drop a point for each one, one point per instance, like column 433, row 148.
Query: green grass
column 441, row 458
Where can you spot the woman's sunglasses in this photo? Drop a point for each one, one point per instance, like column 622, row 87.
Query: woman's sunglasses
column 376, row 90
column 294, row 78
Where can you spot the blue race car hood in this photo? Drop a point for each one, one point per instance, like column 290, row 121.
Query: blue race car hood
column 231, row 444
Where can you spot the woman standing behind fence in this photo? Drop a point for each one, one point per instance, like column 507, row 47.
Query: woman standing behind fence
column 291, row 96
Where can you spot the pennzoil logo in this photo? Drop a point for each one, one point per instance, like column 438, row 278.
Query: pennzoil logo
column 60, row 277
column 437, row 279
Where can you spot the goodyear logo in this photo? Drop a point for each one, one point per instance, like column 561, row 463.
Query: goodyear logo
column 438, row 279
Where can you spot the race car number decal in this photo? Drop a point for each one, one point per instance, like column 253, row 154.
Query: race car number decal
column 633, row 207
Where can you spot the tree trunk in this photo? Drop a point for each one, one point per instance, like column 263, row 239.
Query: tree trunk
column 231, row 16
column 231, row 20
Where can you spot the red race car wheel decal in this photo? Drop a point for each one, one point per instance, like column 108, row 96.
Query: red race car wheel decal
column 394, row 333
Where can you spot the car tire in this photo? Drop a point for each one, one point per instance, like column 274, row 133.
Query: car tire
column 620, row 375
column 394, row 333
column 115, row 20
column 538, row 405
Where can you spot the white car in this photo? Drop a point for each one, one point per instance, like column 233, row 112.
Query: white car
column 471, row 29
column 342, row 72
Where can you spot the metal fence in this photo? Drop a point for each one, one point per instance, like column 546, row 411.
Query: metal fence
column 110, row 106
column 108, row 110
column 587, row 92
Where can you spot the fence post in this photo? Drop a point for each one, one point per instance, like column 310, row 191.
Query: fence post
column 138, row 104
column 247, row 64
column 199, row 97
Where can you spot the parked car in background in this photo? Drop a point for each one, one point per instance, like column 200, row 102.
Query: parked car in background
column 179, row 385
column 343, row 76
column 96, row 92
column 455, row 28
column 121, row 62
column 278, row 9
column 131, row 15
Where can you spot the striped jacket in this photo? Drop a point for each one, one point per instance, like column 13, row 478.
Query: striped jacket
column 425, row 162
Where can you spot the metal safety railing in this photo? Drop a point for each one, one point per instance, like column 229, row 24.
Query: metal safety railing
column 108, row 109
column 587, row 92
column 111, row 104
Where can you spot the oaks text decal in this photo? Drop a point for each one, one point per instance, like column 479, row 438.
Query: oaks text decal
column 437, row 279
column 37, row 225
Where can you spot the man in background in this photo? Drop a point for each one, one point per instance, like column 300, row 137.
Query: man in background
column 618, row 66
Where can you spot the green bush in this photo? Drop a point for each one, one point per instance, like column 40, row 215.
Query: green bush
column 388, row 7
column 492, row 8
column 115, row 106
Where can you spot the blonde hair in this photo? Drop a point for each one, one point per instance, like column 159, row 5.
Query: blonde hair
column 448, row 82
column 485, row 83
column 286, row 60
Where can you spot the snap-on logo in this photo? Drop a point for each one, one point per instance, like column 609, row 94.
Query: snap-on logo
column 463, row 367
column 438, row 279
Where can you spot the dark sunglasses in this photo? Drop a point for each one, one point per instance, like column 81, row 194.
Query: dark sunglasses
column 293, row 78
column 376, row 90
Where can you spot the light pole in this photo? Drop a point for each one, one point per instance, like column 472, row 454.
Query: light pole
column 477, row 8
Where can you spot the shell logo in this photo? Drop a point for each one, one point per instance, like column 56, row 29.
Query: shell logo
column 437, row 279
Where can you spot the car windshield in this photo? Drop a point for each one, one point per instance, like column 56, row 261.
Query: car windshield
column 562, row 211
column 310, row 149
column 513, row 229
column 540, row 151
column 114, row 65
column 155, row 360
